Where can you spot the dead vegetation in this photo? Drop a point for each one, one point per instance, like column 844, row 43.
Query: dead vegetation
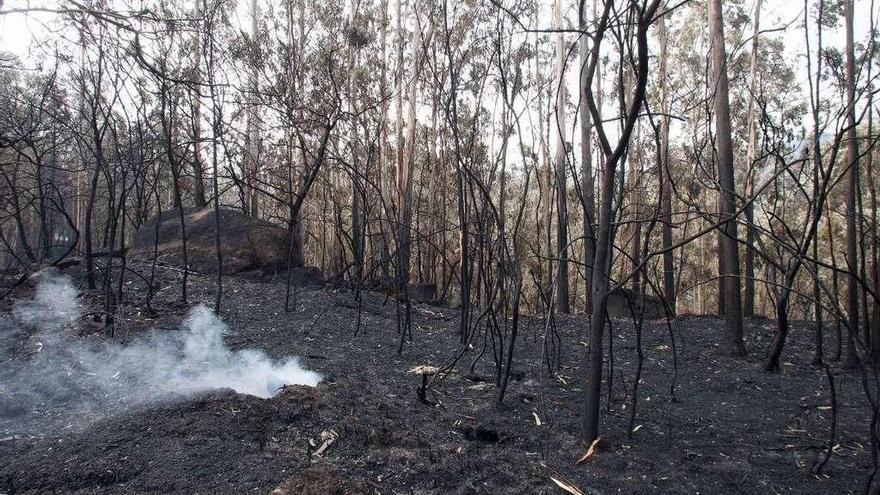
column 365, row 429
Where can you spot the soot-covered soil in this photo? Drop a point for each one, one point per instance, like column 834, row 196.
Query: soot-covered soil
column 732, row 427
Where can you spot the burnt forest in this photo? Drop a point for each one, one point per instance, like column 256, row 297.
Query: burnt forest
column 430, row 247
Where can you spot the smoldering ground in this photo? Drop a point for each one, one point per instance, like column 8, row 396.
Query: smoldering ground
column 52, row 378
column 717, row 437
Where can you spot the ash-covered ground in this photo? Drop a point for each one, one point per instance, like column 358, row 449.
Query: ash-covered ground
column 732, row 427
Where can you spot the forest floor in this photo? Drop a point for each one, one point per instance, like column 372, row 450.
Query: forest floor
column 731, row 428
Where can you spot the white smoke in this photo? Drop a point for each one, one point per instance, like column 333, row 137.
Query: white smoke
column 54, row 305
column 207, row 363
column 73, row 373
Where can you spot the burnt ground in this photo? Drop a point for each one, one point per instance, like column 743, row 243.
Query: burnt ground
column 733, row 428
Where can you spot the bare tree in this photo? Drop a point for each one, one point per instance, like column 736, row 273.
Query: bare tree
column 644, row 17
column 728, row 247
column 665, row 180
column 199, row 198
column 588, row 194
column 749, row 263
column 562, row 296
column 851, row 358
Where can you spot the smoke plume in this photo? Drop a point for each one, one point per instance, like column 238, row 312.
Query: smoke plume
column 54, row 373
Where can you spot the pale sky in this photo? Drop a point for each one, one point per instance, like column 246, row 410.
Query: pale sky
column 18, row 32
column 21, row 34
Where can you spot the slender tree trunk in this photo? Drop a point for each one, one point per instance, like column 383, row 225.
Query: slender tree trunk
column 406, row 165
column 198, row 167
column 300, row 226
column 545, row 215
column 634, row 158
column 852, row 176
column 87, row 229
column 727, row 237
column 399, row 90
column 216, row 130
column 252, row 137
column 167, row 112
column 669, row 291
column 358, row 212
column 835, row 285
column 462, row 206
column 817, row 310
column 562, row 302
column 749, row 291
column 42, row 210
column 593, row 368
column 818, row 357
column 385, row 169
column 875, row 266
column 20, row 228
column 218, row 295
column 587, row 188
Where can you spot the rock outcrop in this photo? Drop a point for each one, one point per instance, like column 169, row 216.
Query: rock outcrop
column 245, row 244
column 624, row 303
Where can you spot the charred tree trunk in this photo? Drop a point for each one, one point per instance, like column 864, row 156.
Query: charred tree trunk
column 562, row 299
column 593, row 369
column 669, row 291
column 852, row 180
column 199, row 198
column 749, row 264
column 588, row 194
column 728, row 247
